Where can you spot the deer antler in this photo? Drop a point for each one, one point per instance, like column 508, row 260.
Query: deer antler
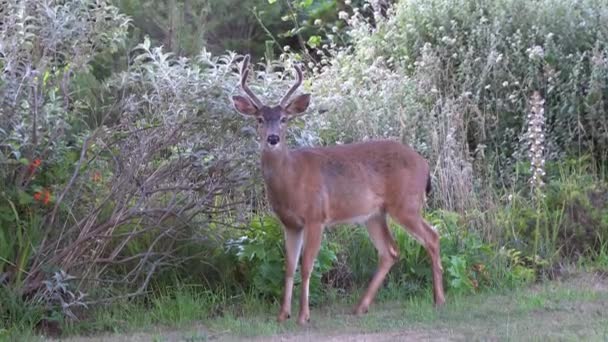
column 293, row 88
column 244, row 74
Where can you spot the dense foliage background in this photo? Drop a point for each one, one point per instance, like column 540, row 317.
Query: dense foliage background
column 124, row 164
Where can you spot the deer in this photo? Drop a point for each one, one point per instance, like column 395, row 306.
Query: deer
column 312, row 188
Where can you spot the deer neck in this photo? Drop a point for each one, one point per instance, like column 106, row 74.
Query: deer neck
column 276, row 168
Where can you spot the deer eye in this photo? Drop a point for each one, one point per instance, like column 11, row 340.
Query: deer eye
column 284, row 119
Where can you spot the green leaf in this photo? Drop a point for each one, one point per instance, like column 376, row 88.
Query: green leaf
column 305, row 3
column 24, row 198
column 314, row 41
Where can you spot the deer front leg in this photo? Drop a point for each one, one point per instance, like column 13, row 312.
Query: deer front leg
column 312, row 244
column 293, row 246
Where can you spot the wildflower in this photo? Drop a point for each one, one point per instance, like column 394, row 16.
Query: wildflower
column 343, row 15
column 43, row 196
column 347, row 2
column 47, row 197
column 286, row 48
column 96, row 178
column 536, row 140
column 34, row 165
column 318, row 22
column 536, row 52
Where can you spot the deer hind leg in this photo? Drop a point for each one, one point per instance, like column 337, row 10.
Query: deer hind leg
column 293, row 246
column 388, row 253
column 410, row 218
column 312, row 243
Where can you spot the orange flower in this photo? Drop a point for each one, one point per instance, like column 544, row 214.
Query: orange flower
column 96, row 177
column 34, row 165
column 47, row 197
column 43, row 196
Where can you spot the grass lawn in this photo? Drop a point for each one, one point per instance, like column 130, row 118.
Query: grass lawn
column 575, row 307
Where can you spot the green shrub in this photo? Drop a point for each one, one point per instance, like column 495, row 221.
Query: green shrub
column 261, row 252
column 565, row 220
column 470, row 264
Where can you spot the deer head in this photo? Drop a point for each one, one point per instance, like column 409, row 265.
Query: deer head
column 272, row 120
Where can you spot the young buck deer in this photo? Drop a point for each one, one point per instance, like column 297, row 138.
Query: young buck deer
column 312, row 188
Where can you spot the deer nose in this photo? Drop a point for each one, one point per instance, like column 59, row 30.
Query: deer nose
column 273, row 139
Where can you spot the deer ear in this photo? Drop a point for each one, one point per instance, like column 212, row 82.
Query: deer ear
column 298, row 105
column 244, row 106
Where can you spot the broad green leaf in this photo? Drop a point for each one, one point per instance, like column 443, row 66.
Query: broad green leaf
column 314, row 41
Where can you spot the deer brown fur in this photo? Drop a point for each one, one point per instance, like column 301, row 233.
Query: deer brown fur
column 313, row 188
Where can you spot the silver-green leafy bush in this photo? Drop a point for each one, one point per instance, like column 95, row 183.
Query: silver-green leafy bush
column 43, row 44
column 149, row 183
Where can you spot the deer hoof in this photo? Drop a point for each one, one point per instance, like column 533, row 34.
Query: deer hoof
column 283, row 316
column 303, row 321
column 360, row 310
column 439, row 303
